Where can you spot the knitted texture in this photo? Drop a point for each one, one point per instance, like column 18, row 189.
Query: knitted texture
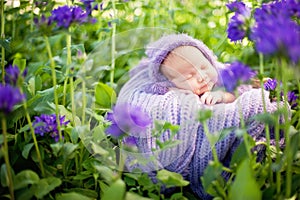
column 148, row 89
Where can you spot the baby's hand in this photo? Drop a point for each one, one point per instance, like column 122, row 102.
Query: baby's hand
column 211, row 98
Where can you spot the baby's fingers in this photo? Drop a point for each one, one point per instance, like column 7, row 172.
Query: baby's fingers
column 206, row 98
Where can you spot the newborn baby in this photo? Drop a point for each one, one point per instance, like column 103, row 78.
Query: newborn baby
column 188, row 69
column 173, row 83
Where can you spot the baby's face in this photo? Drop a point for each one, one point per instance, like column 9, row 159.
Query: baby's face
column 188, row 69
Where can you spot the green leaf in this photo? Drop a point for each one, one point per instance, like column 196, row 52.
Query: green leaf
column 266, row 118
column 97, row 149
column 204, row 115
column 134, row 196
column 295, row 145
column 178, row 196
column 24, row 178
column 74, row 134
column 105, row 172
column 86, row 192
column 211, row 173
column 56, row 147
column 44, row 186
column 168, row 144
column 5, row 43
column 24, row 194
column 9, row 137
column 83, row 175
column 239, row 155
column 105, row 95
column 68, row 150
column 245, row 186
column 171, row 178
column 45, row 107
column 129, row 181
column 98, row 133
column 20, row 62
column 115, row 191
column 26, row 150
column 3, row 175
column 72, row 196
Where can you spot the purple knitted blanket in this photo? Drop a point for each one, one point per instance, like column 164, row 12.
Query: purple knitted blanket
column 148, row 89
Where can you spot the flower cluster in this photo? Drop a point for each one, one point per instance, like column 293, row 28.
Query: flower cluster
column 64, row 16
column 270, row 84
column 42, row 23
column 46, row 124
column 292, row 99
column 237, row 27
column 89, row 6
column 236, row 73
column 275, row 28
column 277, row 36
column 9, row 97
column 13, row 74
column 127, row 119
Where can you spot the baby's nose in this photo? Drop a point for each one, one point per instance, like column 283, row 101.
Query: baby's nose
column 201, row 78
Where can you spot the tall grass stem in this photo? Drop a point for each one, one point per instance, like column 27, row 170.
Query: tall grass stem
column 52, row 63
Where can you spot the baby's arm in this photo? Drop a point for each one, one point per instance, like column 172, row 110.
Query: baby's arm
column 213, row 97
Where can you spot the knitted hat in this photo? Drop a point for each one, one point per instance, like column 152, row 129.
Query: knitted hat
column 158, row 51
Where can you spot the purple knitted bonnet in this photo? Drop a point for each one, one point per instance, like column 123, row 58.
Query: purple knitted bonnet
column 157, row 52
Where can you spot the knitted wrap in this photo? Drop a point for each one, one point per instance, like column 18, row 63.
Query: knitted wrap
column 148, row 89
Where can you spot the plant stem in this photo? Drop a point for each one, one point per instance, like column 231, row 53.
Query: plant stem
column 83, row 97
column 298, row 124
column 277, row 136
column 286, row 132
column 52, row 63
column 69, row 62
column 14, row 23
column 240, row 109
column 33, row 136
column 267, row 128
column 2, row 38
column 6, row 159
column 213, row 148
column 113, row 45
column 31, row 17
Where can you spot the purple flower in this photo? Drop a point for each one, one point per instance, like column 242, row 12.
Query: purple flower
column 42, row 22
column 9, row 97
column 275, row 32
column 40, row 3
column 237, row 27
column 239, row 8
column 46, row 124
column 292, row 99
column 64, row 16
column 236, row 73
column 270, row 84
column 89, row 6
column 274, row 9
column 294, row 7
column 280, row 37
column 127, row 119
column 130, row 141
column 12, row 75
